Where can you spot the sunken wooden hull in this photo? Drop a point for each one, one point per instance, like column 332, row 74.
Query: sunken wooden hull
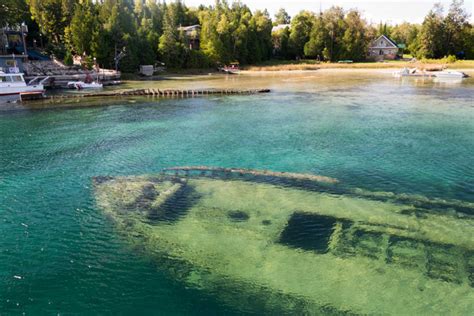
column 291, row 243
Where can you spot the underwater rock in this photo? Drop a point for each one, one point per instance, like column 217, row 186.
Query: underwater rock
column 238, row 216
column 101, row 179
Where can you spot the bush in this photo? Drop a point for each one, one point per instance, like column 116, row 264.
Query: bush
column 88, row 62
column 451, row 59
column 197, row 59
column 68, row 60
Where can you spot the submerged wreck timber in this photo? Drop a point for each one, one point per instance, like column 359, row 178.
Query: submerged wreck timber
column 296, row 243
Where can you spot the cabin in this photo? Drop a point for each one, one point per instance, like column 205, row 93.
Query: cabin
column 192, row 34
column 383, row 48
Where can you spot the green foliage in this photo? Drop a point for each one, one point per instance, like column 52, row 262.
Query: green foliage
column 68, row 60
column 280, row 40
column 455, row 25
column 431, row 35
column 147, row 31
column 301, row 26
column 355, row 41
column 53, row 16
column 79, row 33
column 13, row 12
column 88, row 62
column 282, row 17
column 317, row 40
column 451, row 59
column 406, row 33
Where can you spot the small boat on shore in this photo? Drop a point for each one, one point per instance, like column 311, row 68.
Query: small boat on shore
column 298, row 244
column 13, row 84
column 450, row 74
column 232, row 69
column 412, row 72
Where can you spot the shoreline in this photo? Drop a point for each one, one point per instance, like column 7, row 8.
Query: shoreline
column 333, row 71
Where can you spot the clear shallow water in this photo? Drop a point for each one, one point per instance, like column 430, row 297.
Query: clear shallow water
column 368, row 131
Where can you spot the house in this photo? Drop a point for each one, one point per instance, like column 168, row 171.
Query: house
column 192, row 34
column 383, row 48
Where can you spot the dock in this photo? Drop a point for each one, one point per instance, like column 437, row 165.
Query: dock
column 159, row 93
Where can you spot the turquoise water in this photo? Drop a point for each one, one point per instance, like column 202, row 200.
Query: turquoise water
column 59, row 254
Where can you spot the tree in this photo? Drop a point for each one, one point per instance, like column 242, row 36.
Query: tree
column 280, row 41
column 317, row 39
column 431, row 38
column 301, row 26
column 263, row 31
column 79, row 34
column 335, row 25
column 13, row 12
column 169, row 48
column 406, row 33
column 455, row 23
column 354, row 41
column 282, row 17
column 53, row 16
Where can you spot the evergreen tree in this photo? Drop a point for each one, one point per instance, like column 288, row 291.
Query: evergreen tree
column 280, row 41
column 355, row 42
column 335, row 25
column 431, row 40
column 53, row 16
column 79, row 34
column 169, row 48
column 282, row 17
column 455, row 23
column 301, row 26
column 318, row 39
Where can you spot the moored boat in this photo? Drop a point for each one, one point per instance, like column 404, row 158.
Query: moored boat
column 296, row 243
column 232, row 69
column 12, row 84
column 81, row 85
column 450, row 74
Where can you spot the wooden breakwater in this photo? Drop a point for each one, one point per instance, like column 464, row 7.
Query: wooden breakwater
column 161, row 93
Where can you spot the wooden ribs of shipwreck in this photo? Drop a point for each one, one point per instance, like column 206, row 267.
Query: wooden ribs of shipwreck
column 329, row 185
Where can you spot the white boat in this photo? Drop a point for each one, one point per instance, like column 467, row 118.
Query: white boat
column 12, row 84
column 450, row 75
column 411, row 72
column 80, row 85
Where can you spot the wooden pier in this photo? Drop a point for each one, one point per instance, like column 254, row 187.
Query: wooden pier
column 160, row 93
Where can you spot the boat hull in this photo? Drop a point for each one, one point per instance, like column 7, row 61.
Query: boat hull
column 79, row 85
column 298, row 244
column 450, row 75
column 11, row 91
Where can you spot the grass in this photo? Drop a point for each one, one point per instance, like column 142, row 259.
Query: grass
column 309, row 64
